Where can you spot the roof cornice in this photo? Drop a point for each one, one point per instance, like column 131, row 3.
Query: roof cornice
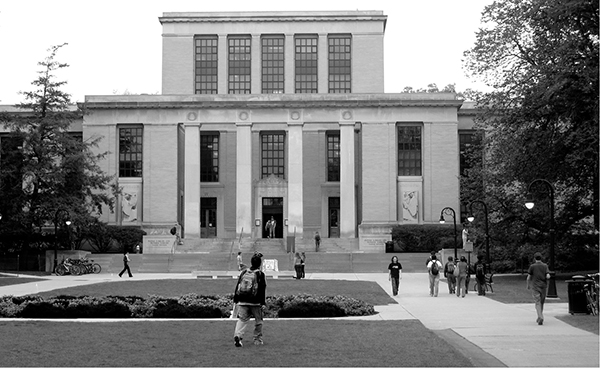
column 270, row 102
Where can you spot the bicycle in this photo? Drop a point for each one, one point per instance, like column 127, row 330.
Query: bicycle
column 591, row 293
column 488, row 283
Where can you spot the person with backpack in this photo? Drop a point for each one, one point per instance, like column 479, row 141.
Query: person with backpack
column 250, row 297
column 434, row 266
column 449, row 275
column 480, row 272
column 126, row 261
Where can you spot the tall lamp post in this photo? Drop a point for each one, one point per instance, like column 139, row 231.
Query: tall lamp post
column 66, row 222
column 471, row 218
column 450, row 211
column 529, row 204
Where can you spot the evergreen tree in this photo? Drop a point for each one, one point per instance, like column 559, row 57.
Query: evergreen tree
column 45, row 166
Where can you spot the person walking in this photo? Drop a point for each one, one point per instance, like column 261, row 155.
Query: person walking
column 250, row 298
column 298, row 266
column 537, row 277
column 434, row 266
column 240, row 262
column 480, row 272
column 449, row 275
column 270, row 228
column 395, row 274
column 317, row 241
column 302, row 264
column 126, row 261
column 461, row 272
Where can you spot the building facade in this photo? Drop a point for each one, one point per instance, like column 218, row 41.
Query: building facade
column 279, row 116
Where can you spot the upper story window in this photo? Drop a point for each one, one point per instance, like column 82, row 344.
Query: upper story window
column 333, row 156
column 467, row 141
column 209, row 157
column 206, row 65
column 340, row 62
column 272, row 154
column 272, row 64
column 306, row 64
column 409, row 151
column 130, row 152
column 239, row 65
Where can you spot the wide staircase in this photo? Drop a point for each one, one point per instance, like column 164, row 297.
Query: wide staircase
column 333, row 257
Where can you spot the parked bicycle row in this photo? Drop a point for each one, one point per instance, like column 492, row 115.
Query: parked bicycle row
column 77, row 267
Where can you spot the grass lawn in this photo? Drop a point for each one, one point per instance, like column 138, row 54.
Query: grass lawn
column 11, row 280
column 288, row 343
column 369, row 292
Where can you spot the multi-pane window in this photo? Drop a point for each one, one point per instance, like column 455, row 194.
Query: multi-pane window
column 272, row 154
column 409, row 151
column 340, row 70
column 306, row 64
column 468, row 140
column 333, row 157
column 130, row 152
column 239, row 65
column 209, row 157
column 273, row 64
column 206, row 65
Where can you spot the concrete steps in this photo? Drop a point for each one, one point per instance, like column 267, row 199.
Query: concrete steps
column 333, row 262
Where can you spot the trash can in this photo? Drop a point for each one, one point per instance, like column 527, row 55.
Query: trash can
column 389, row 246
column 576, row 291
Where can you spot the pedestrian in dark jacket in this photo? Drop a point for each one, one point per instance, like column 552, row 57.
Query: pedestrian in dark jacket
column 126, row 261
column 250, row 304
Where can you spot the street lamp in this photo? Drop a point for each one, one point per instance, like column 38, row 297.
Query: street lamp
column 529, row 204
column 67, row 222
column 450, row 211
column 487, row 230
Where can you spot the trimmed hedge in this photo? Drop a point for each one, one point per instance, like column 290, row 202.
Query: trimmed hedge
column 425, row 238
column 185, row 306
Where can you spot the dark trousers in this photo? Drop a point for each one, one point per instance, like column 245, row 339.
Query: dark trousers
column 480, row 285
column 298, row 269
column 125, row 268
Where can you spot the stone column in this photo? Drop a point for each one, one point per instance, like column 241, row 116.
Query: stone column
column 255, row 65
column 295, row 169
column 192, row 181
column 222, row 65
column 323, row 63
column 290, row 73
column 347, row 181
column 243, row 194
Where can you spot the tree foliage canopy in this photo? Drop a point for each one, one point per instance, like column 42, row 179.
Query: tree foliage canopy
column 45, row 165
column 541, row 120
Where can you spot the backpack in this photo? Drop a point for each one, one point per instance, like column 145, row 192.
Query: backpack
column 248, row 285
column 434, row 267
column 124, row 258
column 450, row 267
column 479, row 270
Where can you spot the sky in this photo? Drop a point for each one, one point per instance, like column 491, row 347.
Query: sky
column 115, row 47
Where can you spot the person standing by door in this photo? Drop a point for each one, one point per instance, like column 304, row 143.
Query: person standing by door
column 126, row 261
column 270, row 227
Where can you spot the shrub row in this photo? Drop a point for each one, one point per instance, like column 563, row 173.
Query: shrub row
column 186, row 306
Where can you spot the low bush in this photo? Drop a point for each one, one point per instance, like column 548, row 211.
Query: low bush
column 185, row 306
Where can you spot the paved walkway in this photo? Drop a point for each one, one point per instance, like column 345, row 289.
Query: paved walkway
column 489, row 332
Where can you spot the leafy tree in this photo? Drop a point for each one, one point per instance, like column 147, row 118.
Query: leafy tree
column 540, row 121
column 45, row 167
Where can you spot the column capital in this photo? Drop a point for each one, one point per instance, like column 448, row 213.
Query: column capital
column 347, row 123
column 192, row 124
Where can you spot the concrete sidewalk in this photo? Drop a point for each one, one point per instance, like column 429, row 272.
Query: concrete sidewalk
column 504, row 334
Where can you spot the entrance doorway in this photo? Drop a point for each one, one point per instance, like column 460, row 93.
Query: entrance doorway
column 334, row 217
column 272, row 208
column 208, row 217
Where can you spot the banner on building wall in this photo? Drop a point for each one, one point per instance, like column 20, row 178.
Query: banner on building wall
column 410, row 206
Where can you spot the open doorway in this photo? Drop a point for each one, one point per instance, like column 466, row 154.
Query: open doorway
column 272, row 210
